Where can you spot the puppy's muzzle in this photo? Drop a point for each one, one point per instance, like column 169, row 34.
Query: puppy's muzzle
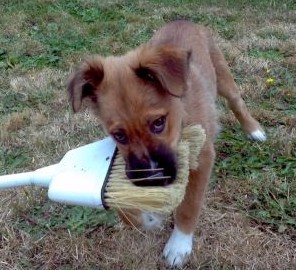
column 159, row 169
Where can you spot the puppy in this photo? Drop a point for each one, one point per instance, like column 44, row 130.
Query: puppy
column 144, row 99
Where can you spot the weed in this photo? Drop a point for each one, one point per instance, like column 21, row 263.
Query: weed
column 13, row 158
column 38, row 220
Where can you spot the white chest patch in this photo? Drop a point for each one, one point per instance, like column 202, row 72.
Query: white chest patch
column 151, row 221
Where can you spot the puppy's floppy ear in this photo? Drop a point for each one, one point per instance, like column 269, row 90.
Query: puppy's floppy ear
column 165, row 67
column 84, row 82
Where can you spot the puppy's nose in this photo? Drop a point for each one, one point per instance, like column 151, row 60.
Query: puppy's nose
column 146, row 173
column 151, row 178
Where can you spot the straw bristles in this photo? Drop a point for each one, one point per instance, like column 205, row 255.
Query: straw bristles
column 195, row 136
column 120, row 193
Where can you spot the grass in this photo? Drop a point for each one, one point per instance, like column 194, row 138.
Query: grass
column 249, row 218
column 38, row 220
column 268, row 182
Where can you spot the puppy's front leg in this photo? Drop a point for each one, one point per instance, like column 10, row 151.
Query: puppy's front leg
column 179, row 245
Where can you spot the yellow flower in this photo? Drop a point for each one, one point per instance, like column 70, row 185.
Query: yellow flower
column 267, row 71
column 270, row 81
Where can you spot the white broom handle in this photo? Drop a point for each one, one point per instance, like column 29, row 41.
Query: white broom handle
column 77, row 180
column 40, row 177
column 16, row 180
column 72, row 187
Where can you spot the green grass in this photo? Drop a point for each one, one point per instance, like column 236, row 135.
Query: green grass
column 42, row 41
column 275, row 34
column 15, row 101
column 268, row 177
column 271, row 54
column 42, row 218
column 13, row 159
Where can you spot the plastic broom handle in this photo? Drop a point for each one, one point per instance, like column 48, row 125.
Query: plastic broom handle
column 40, row 177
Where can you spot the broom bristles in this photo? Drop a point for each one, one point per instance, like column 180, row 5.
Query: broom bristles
column 195, row 135
column 120, row 193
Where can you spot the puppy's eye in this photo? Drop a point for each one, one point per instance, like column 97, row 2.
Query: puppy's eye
column 120, row 137
column 158, row 125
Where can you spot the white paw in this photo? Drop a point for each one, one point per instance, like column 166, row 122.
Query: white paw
column 178, row 248
column 151, row 221
column 257, row 135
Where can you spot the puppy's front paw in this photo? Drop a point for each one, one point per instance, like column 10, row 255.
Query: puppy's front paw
column 178, row 247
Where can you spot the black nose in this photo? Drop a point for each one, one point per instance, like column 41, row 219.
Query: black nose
column 147, row 176
column 158, row 170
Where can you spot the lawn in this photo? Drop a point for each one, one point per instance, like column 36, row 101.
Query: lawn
column 249, row 218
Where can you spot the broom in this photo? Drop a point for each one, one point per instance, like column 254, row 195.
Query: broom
column 94, row 175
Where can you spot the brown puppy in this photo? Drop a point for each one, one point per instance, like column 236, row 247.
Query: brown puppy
column 146, row 97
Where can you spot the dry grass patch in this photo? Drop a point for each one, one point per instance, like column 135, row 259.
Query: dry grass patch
column 225, row 238
column 231, row 239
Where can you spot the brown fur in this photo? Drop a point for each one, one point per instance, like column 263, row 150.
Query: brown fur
column 178, row 73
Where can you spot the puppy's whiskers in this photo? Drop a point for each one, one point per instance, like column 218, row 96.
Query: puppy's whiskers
column 149, row 178
column 146, row 170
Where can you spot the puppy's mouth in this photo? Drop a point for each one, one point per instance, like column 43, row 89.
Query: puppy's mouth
column 159, row 169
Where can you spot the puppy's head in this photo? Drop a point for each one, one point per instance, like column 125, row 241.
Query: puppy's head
column 138, row 99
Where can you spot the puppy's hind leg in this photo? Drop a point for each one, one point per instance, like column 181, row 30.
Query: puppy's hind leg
column 228, row 89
